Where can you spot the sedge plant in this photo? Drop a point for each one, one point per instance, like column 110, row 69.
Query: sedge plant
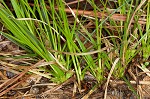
column 30, row 27
column 43, row 28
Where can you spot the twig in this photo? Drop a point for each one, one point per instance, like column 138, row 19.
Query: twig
column 109, row 75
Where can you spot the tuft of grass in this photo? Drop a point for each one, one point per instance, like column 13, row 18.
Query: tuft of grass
column 44, row 29
column 30, row 28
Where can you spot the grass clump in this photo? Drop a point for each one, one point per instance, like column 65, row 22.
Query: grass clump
column 44, row 28
column 31, row 29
